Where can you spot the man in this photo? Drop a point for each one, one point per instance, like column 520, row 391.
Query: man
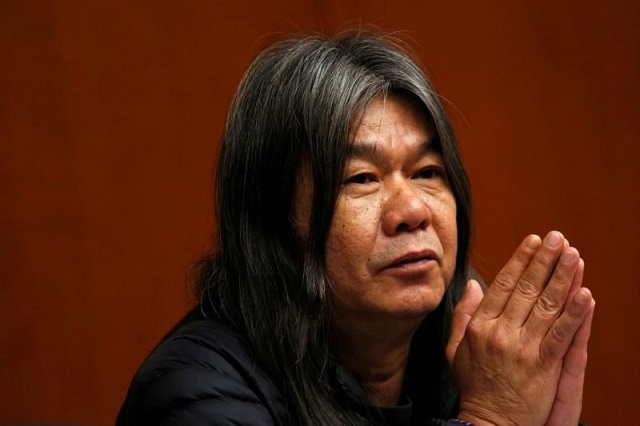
column 343, row 231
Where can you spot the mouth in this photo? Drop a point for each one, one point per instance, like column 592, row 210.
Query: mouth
column 412, row 260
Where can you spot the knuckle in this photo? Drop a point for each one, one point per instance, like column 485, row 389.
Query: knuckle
column 547, row 353
column 528, row 287
column 562, row 274
column 474, row 329
column 512, row 271
column 498, row 344
column 522, row 257
column 546, row 257
column 503, row 282
column 548, row 305
column 560, row 332
column 554, row 348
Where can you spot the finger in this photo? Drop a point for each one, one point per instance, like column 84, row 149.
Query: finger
column 576, row 357
column 568, row 402
column 577, row 280
column 552, row 300
column 502, row 287
column 562, row 333
column 534, row 279
column 461, row 315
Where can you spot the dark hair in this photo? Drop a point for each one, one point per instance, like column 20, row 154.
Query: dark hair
column 299, row 101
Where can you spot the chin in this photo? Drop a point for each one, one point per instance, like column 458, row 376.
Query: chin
column 416, row 308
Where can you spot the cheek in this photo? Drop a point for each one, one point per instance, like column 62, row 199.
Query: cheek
column 448, row 232
column 451, row 224
column 352, row 236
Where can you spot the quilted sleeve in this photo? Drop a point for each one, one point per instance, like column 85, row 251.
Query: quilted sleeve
column 203, row 377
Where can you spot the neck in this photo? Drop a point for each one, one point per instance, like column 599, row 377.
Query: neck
column 377, row 357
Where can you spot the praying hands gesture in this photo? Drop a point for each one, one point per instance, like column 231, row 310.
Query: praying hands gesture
column 519, row 353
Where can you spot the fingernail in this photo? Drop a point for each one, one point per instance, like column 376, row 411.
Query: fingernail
column 554, row 239
column 532, row 241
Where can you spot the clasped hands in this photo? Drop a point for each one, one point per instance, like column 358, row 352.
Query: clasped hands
column 519, row 353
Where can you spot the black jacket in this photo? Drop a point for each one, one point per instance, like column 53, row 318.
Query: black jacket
column 203, row 374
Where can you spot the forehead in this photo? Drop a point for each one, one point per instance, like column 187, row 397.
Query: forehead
column 390, row 108
column 392, row 122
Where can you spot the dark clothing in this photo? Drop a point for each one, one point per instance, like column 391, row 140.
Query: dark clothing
column 203, row 374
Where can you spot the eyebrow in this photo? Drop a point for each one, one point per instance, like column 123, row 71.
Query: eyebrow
column 368, row 150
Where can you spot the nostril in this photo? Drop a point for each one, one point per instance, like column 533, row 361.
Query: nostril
column 402, row 227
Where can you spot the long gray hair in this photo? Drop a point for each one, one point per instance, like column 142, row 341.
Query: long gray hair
column 299, row 101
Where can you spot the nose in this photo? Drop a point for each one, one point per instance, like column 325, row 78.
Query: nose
column 405, row 210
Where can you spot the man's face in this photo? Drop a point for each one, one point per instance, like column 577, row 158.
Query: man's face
column 392, row 245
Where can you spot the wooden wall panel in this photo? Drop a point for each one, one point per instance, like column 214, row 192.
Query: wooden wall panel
column 111, row 114
column 110, row 117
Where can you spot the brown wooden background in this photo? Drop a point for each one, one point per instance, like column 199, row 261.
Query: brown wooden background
column 110, row 117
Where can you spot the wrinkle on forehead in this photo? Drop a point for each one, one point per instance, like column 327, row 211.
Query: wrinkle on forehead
column 378, row 109
column 408, row 118
column 374, row 125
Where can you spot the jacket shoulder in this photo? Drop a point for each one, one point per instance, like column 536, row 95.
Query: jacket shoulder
column 202, row 374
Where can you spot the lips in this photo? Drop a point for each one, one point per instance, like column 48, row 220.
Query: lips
column 412, row 259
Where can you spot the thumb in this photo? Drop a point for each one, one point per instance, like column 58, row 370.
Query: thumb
column 462, row 315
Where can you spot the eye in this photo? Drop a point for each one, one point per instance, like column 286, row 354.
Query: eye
column 361, row 179
column 430, row 173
